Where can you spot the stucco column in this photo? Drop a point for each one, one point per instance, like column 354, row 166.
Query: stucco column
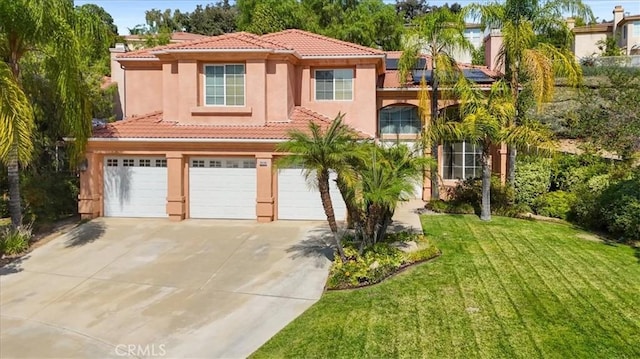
column 265, row 201
column 503, row 154
column 90, row 198
column 175, row 186
column 426, row 187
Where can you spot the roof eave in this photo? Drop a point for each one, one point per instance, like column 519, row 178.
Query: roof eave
column 183, row 139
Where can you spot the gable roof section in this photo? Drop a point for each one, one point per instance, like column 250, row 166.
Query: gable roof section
column 154, row 126
column 226, row 42
column 308, row 44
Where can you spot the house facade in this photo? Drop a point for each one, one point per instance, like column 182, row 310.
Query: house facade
column 624, row 27
column 203, row 118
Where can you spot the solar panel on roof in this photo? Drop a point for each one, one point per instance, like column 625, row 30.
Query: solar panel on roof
column 392, row 64
column 475, row 75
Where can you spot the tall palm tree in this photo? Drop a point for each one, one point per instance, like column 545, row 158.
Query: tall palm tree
column 489, row 120
column 49, row 31
column 437, row 34
column 320, row 152
column 16, row 129
column 527, row 53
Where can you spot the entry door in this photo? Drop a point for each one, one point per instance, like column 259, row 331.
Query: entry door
column 222, row 188
column 299, row 199
column 135, row 187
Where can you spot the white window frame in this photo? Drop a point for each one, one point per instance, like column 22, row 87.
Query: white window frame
column 464, row 164
column 419, row 122
column 315, row 85
column 224, row 84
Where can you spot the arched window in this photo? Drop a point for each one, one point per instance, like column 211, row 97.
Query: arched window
column 399, row 120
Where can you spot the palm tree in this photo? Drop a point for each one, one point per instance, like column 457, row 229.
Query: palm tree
column 439, row 33
column 527, row 53
column 50, row 32
column 16, row 129
column 320, row 152
column 489, row 120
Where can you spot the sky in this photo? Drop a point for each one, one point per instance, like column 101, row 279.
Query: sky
column 129, row 13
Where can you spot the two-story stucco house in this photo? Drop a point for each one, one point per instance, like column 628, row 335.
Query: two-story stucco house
column 203, row 118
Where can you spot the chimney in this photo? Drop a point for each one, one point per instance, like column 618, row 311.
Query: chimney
column 492, row 45
column 571, row 23
column 618, row 15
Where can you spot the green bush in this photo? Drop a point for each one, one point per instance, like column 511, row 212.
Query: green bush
column 620, row 208
column 555, row 204
column 533, row 178
column 470, row 192
column 440, row 206
column 569, row 171
column 50, row 198
column 14, row 242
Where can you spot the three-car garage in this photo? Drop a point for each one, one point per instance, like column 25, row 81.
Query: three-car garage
column 217, row 188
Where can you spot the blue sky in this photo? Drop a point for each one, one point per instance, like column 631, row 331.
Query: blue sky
column 129, row 13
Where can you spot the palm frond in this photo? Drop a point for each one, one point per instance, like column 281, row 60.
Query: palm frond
column 16, row 119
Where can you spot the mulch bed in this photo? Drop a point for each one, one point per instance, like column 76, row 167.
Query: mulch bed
column 400, row 269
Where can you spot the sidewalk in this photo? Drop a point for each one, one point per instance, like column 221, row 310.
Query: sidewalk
column 406, row 216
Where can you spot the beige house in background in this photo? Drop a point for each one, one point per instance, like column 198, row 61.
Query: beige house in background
column 203, row 118
column 624, row 27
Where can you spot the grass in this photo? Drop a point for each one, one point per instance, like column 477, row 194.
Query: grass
column 508, row 288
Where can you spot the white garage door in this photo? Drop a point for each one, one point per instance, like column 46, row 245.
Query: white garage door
column 135, row 187
column 297, row 199
column 222, row 188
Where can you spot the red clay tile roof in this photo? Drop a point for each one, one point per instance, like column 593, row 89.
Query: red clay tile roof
column 310, row 44
column 154, row 126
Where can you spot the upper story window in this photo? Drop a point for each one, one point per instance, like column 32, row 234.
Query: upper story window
column 461, row 160
column 224, row 85
column 636, row 29
column 399, row 120
column 334, row 85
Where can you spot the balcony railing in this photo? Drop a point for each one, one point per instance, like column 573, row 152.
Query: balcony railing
column 621, row 61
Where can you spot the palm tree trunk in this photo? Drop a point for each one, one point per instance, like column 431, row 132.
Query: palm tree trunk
column 485, row 210
column 511, row 166
column 13, row 176
column 435, row 188
column 323, row 187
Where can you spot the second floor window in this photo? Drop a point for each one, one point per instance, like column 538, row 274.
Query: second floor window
column 334, row 85
column 224, row 85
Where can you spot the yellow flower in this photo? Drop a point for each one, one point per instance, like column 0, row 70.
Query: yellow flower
column 347, row 274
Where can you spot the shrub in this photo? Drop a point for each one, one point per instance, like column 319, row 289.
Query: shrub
column 470, row 192
column 533, row 178
column 378, row 261
column 440, row 206
column 569, row 171
column 51, row 198
column 555, row 204
column 14, row 242
column 620, row 208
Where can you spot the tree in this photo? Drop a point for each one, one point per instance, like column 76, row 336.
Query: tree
column 609, row 47
column 440, row 34
column 270, row 16
column 529, row 59
column 212, row 20
column 489, row 120
column 411, row 9
column 320, row 152
column 609, row 114
column 51, row 31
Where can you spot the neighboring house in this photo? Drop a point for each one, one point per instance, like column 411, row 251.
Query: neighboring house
column 203, row 119
column 624, row 27
column 475, row 35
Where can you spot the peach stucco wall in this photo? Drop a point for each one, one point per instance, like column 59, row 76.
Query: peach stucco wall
column 143, row 89
column 360, row 112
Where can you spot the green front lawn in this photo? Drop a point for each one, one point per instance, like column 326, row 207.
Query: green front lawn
column 508, row 288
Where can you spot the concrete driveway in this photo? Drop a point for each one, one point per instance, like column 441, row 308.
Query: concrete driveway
column 152, row 288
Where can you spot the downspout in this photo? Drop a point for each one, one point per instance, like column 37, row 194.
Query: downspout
column 124, row 91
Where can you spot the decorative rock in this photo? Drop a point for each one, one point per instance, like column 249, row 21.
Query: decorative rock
column 407, row 247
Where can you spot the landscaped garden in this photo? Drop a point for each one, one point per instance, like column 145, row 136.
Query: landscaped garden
column 505, row 288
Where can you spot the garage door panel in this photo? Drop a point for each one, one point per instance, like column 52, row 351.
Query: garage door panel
column 299, row 198
column 134, row 187
column 222, row 188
